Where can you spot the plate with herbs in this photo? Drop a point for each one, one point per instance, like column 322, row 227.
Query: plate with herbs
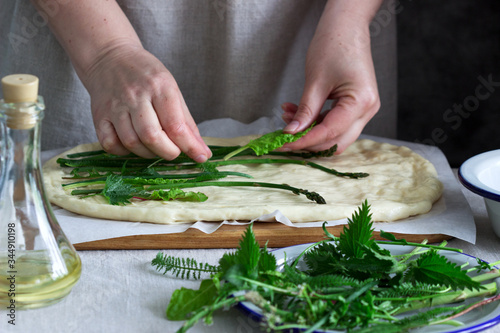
column 348, row 283
column 476, row 320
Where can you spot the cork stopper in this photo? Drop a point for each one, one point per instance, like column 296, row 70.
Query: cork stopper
column 20, row 88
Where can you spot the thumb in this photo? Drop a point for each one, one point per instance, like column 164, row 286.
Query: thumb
column 308, row 110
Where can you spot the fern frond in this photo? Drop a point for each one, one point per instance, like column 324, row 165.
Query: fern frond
column 185, row 268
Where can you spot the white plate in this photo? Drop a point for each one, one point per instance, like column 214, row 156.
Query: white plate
column 476, row 320
column 479, row 174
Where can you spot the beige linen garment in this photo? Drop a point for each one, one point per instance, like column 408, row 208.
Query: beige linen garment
column 237, row 59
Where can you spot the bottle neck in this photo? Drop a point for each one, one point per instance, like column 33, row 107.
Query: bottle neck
column 22, row 148
column 20, row 142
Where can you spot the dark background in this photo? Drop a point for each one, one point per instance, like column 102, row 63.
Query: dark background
column 446, row 50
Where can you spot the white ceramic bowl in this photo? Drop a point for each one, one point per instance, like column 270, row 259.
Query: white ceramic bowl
column 481, row 175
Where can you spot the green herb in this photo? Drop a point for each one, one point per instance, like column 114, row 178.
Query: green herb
column 138, row 170
column 121, row 178
column 350, row 283
column 118, row 190
column 268, row 142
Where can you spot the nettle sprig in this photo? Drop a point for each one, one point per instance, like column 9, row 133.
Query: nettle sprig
column 121, row 179
column 349, row 283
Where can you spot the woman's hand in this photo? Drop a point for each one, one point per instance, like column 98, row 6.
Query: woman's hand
column 339, row 67
column 138, row 107
column 136, row 103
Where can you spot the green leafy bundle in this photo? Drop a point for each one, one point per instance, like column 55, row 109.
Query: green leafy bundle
column 348, row 282
column 122, row 178
column 269, row 142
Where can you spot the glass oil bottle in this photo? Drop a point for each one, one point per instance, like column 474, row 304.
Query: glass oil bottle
column 38, row 265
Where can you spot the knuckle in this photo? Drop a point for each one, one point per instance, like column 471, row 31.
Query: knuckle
column 370, row 102
column 176, row 129
column 305, row 111
column 151, row 136
column 109, row 144
column 131, row 142
column 331, row 135
column 159, row 82
column 129, row 95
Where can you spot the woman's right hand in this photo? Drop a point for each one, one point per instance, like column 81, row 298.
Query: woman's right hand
column 137, row 106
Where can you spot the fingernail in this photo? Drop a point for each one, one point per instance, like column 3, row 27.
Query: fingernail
column 292, row 126
column 200, row 158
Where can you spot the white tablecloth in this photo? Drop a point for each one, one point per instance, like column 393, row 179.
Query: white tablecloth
column 120, row 292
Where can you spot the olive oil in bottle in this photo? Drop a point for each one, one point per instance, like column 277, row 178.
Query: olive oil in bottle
column 38, row 265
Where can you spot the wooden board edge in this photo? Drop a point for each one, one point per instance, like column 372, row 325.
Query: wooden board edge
column 228, row 236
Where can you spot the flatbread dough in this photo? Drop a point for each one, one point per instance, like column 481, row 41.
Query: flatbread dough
column 401, row 184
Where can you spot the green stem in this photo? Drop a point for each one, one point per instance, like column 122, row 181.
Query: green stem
column 235, row 152
column 310, row 195
column 103, row 166
column 86, row 154
column 451, row 297
column 102, row 180
column 313, row 196
column 493, row 274
column 436, row 247
column 354, row 175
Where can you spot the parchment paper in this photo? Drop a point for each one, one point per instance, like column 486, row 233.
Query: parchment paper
column 451, row 215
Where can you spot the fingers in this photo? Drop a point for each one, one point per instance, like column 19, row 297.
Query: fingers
column 147, row 138
column 289, row 110
column 148, row 133
column 106, row 134
column 179, row 126
column 123, row 134
column 308, row 109
column 341, row 125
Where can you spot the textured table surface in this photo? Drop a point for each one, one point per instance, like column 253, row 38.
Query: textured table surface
column 120, row 292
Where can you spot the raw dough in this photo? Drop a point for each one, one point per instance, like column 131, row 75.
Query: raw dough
column 401, row 184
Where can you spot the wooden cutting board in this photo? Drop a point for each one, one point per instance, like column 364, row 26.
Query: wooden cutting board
column 275, row 234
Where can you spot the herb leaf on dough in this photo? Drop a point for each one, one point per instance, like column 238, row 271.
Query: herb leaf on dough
column 268, row 142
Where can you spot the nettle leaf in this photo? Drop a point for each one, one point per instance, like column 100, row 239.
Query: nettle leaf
column 434, row 268
column 324, row 259
column 185, row 301
column 248, row 260
column 372, row 264
column 267, row 260
column 392, row 237
column 227, row 260
column 116, row 191
column 358, row 232
column 269, row 142
column 249, row 253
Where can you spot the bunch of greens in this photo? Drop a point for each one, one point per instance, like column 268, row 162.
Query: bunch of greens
column 349, row 283
column 121, row 178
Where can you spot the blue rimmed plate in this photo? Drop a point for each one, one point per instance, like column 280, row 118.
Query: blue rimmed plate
column 476, row 320
column 481, row 174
